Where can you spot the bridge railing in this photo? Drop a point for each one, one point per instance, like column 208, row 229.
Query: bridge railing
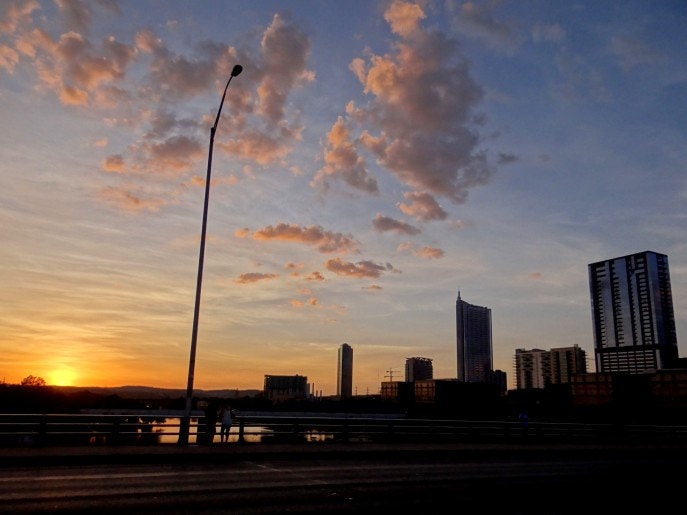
column 163, row 428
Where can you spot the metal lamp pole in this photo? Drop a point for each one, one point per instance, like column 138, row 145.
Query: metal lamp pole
column 185, row 423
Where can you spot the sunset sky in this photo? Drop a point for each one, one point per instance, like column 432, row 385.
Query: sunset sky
column 372, row 160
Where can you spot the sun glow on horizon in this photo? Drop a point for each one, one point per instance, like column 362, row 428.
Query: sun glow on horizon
column 62, row 377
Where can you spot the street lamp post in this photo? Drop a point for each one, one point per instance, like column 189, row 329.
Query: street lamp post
column 185, row 423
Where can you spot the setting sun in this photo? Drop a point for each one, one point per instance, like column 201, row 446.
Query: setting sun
column 62, row 377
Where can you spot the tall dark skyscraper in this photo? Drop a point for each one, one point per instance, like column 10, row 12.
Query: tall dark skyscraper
column 344, row 372
column 632, row 314
column 474, row 351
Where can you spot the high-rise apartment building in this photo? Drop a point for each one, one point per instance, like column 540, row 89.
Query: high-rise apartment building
column 565, row 362
column 532, row 368
column 537, row 368
column 632, row 314
column 344, row 372
column 473, row 340
column 419, row 369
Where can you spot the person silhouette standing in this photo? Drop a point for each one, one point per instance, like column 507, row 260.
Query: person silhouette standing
column 226, row 419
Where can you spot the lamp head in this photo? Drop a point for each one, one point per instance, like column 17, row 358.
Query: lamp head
column 236, row 70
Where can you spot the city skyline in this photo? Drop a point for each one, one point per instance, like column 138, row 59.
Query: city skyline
column 372, row 159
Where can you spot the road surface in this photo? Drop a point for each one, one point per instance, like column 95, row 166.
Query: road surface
column 548, row 481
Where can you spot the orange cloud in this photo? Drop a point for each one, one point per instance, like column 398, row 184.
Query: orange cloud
column 404, row 17
column 315, row 276
column 420, row 122
column 114, row 163
column 253, row 278
column 128, row 201
column 361, row 269
column 312, row 301
column 343, row 162
column 430, row 252
column 422, row 206
column 8, row 58
column 324, row 241
column 85, row 72
column 294, row 268
column 425, row 252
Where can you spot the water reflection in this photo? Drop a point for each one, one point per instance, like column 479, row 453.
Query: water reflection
column 168, row 432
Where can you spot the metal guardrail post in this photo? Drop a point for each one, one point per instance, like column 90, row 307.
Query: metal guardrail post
column 115, row 432
column 42, row 430
column 242, row 428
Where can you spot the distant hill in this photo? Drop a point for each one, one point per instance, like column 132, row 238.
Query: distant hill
column 151, row 392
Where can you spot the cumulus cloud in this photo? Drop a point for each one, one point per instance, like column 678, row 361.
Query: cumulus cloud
column 424, row 251
column 419, row 121
column 429, row 252
column 16, row 13
column 114, row 163
column 403, row 17
column 343, row 162
column 312, row 301
column 324, row 241
column 265, row 129
column 422, row 206
column 384, row 223
column 174, row 153
column 361, row 269
column 143, row 77
column 253, row 278
column 74, row 67
column 8, row 58
column 294, row 268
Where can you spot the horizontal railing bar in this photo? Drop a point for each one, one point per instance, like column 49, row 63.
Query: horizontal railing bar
column 152, row 427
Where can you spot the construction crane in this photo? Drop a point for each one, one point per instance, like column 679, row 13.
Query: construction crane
column 390, row 374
